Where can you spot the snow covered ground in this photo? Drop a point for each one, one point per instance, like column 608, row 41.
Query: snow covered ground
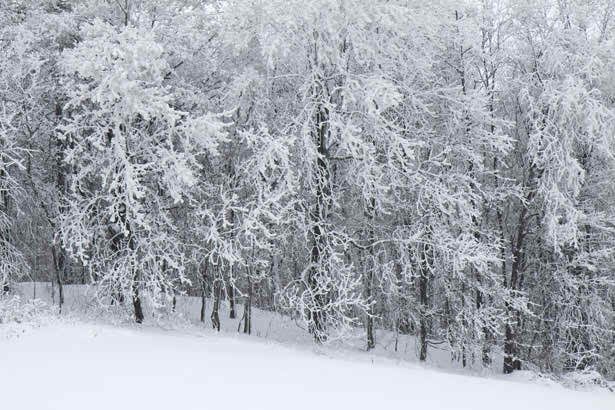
column 76, row 362
column 268, row 325
column 92, row 366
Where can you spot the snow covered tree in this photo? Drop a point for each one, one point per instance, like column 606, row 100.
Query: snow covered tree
column 559, row 231
column 134, row 158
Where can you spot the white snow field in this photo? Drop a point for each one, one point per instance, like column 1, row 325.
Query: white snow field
column 85, row 366
column 76, row 362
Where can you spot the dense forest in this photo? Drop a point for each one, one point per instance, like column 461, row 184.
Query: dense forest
column 443, row 169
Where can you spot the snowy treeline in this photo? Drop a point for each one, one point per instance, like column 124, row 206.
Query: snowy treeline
column 443, row 169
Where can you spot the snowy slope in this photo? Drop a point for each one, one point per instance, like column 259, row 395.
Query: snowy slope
column 90, row 366
column 265, row 324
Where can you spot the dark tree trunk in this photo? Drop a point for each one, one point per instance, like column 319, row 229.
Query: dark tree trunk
column 423, row 319
column 369, row 317
column 231, row 300
column 423, row 284
column 136, row 299
column 203, row 292
column 369, row 279
column 136, row 302
column 486, row 350
column 203, row 305
column 215, row 316
column 247, row 310
column 464, row 324
column 4, row 233
column 230, row 288
column 59, row 261
column 59, row 254
column 59, row 274
column 511, row 351
column 371, row 340
column 511, row 361
column 318, row 218
column 317, row 314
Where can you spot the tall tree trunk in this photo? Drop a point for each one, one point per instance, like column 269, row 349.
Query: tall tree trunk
column 5, row 233
column 230, row 284
column 369, row 278
column 511, row 350
column 59, row 253
column 318, row 218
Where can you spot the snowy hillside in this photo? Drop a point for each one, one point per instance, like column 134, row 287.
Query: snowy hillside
column 78, row 360
column 86, row 366
column 265, row 324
